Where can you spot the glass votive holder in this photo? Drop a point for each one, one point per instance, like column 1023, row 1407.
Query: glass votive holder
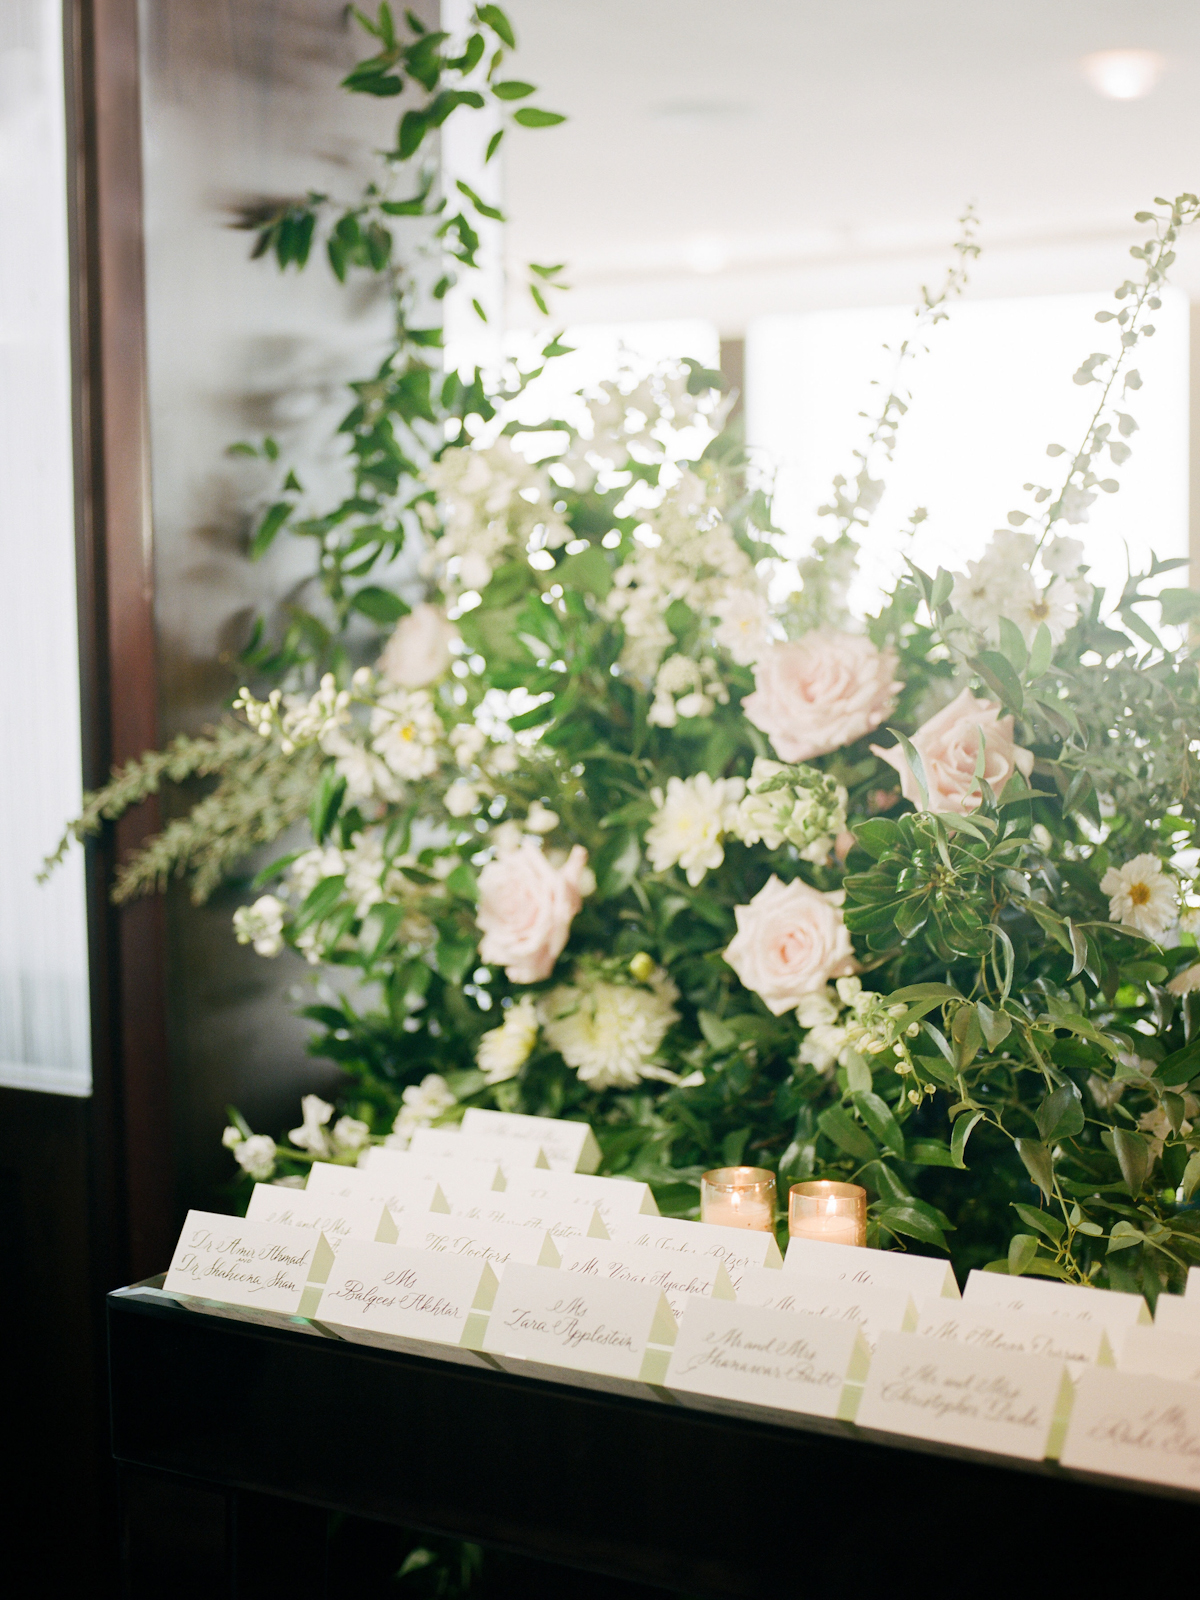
column 739, row 1197
column 834, row 1212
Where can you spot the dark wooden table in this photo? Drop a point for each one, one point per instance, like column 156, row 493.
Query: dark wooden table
column 242, row 1447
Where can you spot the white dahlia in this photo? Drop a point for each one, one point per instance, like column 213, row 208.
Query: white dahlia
column 610, row 1033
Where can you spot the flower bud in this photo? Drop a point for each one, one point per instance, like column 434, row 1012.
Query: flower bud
column 642, row 966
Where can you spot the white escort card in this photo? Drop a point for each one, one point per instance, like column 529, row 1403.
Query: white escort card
column 1109, row 1309
column 921, row 1276
column 541, row 1321
column 337, row 1218
column 956, row 1394
column 562, row 1223
column 1192, row 1288
column 611, row 1197
column 569, row 1146
column 1177, row 1314
column 997, row 1328
column 447, row 1144
column 873, row 1310
column 415, row 1300
column 678, row 1275
column 272, row 1271
column 780, row 1359
column 497, row 1243
column 1129, row 1425
column 354, row 1183
column 400, row 1170
column 1162, row 1355
column 738, row 1248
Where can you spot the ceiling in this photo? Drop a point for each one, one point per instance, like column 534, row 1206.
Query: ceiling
column 726, row 160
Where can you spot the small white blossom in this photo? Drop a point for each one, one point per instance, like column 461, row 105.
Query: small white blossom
column 541, row 819
column 690, row 823
column 368, row 778
column 1063, row 557
column 467, row 741
column 817, row 1009
column 795, row 805
column 503, row 1051
column 745, row 628
column 349, row 1133
column 311, row 1135
column 232, row 1137
column 822, row 1045
column 256, row 1156
column 261, row 925
column 1141, row 895
column 405, row 731
column 461, row 798
column 421, row 1104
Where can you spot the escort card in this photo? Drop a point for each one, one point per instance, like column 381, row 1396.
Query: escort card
column 1192, row 1288
column 447, row 1144
column 923, row 1277
column 873, row 1310
column 1177, row 1314
column 403, row 1299
column 555, row 1319
column 997, row 1328
column 569, row 1146
column 497, row 1243
column 562, row 1223
column 678, row 1275
column 272, row 1270
column 336, row 1218
column 1129, row 1425
column 611, row 1197
column 1103, row 1308
column 781, row 1359
column 399, row 1169
column 738, row 1248
column 1162, row 1355
column 354, row 1183
column 942, row 1389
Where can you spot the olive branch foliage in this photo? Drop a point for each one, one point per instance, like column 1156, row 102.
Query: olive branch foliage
column 1028, row 1101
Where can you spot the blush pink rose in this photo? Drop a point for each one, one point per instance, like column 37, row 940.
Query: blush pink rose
column 790, row 941
column 418, row 651
column 948, row 745
column 821, row 692
column 526, row 908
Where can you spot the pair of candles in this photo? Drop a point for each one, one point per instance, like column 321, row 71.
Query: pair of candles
column 744, row 1197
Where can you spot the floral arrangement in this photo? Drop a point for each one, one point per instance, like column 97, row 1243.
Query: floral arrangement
column 626, row 819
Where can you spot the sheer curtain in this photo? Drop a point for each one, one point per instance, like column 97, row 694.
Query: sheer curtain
column 44, row 1034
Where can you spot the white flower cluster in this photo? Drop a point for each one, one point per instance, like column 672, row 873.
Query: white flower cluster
column 610, row 1033
column 1002, row 584
column 503, row 1051
column 690, row 823
column 491, row 500
column 296, row 719
column 344, row 1140
column 794, row 805
column 1142, row 896
column 851, row 1018
column 261, row 925
column 254, row 1153
column 685, row 688
column 421, row 1105
column 685, row 552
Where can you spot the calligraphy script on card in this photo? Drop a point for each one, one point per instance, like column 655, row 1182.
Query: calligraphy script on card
column 1110, row 1309
column 336, row 1218
column 788, row 1361
column 983, row 1399
column 404, row 1298
column 559, row 1320
column 678, row 1276
column 736, row 1248
column 997, row 1328
column 497, row 1243
column 261, row 1265
column 1129, row 1425
column 568, row 1146
column 923, row 1277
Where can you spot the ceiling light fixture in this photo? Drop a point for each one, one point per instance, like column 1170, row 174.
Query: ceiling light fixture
column 1123, row 74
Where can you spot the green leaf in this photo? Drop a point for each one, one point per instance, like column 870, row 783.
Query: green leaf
column 1123, row 1236
column 1179, row 606
column 733, row 1146
column 858, row 1073
column 1022, row 1248
column 1060, row 1115
column 995, row 1025
column 1191, row 1176
column 326, row 802
column 493, row 145
column 878, row 1116
column 453, row 956
column 588, row 572
column 381, row 605
column 997, row 673
column 531, row 117
column 320, row 902
column 915, row 764
column 1133, row 1155
column 616, row 864
column 462, row 882
column 270, row 525
column 906, row 1219
column 512, row 89
column 1038, row 1164
column 876, row 835
column 1041, row 652
column 963, row 1128
column 931, row 1153
column 840, row 1127
column 1041, row 1220
column 496, row 20
column 1013, row 646
column 718, row 1033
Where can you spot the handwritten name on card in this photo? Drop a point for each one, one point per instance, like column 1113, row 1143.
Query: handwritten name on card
column 1129, row 1425
column 1103, row 1308
column 417, row 1199
column 737, row 1248
column 678, row 1276
column 336, row 1218
column 447, row 1144
column 1177, row 1314
column 783, row 1359
column 258, row 1264
column 401, row 1170
column 872, row 1310
column 568, row 1146
column 562, row 1223
column 405, row 1297
column 497, row 1243
column 571, row 1321
column 923, row 1277
column 982, row 1399
column 611, row 1197
column 1162, row 1355
column 996, row 1328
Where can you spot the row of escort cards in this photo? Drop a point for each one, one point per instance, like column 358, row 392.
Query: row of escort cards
column 491, row 1245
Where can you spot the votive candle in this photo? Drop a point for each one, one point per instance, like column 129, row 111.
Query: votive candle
column 739, row 1197
column 834, row 1212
